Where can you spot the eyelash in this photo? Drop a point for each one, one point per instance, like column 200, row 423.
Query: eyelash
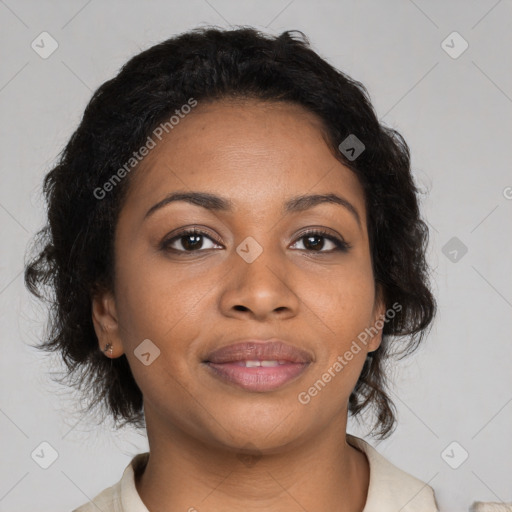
column 340, row 245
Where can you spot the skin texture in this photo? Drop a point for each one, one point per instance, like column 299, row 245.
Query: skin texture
column 258, row 155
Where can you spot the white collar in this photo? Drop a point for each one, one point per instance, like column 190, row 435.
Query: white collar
column 390, row 489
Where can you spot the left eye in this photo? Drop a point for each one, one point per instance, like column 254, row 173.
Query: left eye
column 315, row 241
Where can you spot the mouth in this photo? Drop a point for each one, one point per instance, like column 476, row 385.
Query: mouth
column 258, row 366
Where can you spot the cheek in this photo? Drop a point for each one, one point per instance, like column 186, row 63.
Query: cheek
column 163, row 308
column 155, row 299
column 344, row 300
column 345, row 306
column 168, row 309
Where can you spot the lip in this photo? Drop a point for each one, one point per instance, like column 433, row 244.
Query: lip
column 227, row 364
column 259, row 350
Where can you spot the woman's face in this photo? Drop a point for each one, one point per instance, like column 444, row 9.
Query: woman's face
column 252, row 273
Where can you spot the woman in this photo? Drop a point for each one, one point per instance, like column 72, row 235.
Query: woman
column 233, row 242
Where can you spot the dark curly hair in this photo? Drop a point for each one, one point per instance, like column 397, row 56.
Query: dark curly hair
column 73, row 258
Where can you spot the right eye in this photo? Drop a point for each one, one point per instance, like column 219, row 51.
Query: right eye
column 191, row 240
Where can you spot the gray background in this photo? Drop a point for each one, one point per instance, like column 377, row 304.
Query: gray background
column 455, row 113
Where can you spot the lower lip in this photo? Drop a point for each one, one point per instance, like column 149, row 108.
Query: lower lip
column 257, row 378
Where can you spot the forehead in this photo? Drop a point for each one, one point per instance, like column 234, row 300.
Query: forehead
column 249, row 150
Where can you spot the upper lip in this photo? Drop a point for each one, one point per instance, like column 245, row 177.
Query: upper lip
column 259, row 350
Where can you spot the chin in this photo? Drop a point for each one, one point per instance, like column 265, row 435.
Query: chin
column 262, row 435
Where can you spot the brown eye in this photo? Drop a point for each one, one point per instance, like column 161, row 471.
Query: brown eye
column 314, row 241
column 190, row 240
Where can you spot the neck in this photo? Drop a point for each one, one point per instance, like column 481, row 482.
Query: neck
column 184, row 473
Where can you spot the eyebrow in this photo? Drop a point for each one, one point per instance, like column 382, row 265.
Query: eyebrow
column 216, row 203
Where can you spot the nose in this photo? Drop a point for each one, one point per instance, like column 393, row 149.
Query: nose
column 261, row 289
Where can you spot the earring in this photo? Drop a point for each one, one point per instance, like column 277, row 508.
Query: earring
column 108, row 347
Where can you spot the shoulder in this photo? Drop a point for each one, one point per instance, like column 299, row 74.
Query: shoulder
column 106, row 501
column 390, row 487
column 122, row 496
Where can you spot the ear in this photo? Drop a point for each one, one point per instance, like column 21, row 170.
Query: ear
column 378, row 315
column 106, row 326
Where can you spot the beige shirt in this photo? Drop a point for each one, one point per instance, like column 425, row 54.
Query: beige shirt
column 390, row 488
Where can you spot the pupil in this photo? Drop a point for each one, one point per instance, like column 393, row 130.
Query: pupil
column 193, row 245
column 312, row 237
